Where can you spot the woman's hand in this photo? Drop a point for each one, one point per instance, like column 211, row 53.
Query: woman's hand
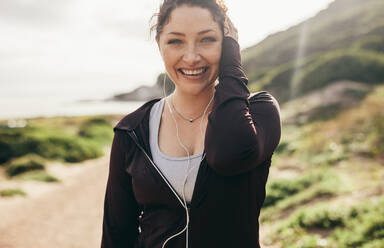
column 230, row 29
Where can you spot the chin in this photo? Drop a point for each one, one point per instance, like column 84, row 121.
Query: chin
column 194, row 89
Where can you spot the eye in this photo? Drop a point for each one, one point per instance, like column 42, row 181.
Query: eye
column 208, row 39
column 174, row 41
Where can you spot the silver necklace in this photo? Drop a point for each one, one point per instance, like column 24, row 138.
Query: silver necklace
column 187, row 119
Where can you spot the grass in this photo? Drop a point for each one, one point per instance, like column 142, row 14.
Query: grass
column 96, row 129
column 371, row 43
column 41, row 176
column 56, row 143
column 320, row 191
column 361, row 225
column 365, row 225
column 288, row 81
column 337, row 202
column 358, row 131
column 284, row 196
column 25, row 151
column 342, row 207
column 281, row 189
column 11, row 192
column 359, row 66
column 25, row 163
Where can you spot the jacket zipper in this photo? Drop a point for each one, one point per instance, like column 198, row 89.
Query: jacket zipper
column 133, row 135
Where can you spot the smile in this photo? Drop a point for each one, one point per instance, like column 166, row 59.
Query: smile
column 196, row 72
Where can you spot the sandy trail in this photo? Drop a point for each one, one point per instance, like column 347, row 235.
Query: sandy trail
column 61, row 215
column 68, row 215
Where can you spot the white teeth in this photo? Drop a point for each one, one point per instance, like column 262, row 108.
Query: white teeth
column 192, row 72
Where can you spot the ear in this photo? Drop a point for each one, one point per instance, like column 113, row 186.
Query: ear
column 158, row 43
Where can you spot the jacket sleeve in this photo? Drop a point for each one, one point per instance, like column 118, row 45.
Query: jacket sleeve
column 120, row 220
column 235, row 140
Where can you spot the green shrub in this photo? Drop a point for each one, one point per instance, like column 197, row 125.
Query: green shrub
column 365, row 136
column 374, row 244
column 48, row 143
column 8, row 143
column 306, row 241
column 283, row 188
column 361, row 225
column 304, row 223
column 291, row 80
column 68, row 148
column 97, row 121
column 290, row 141
column 324, row 190
column 376, row 134
column 285, row 148
column 98, row 130
column 328, row 157
column 323, row 218
column 23, row 164
column 11, row 192
column 372, row 43
column 281, row 83
column 365, row 225
column 39, row 176
column 5, row 152
column 342, row 65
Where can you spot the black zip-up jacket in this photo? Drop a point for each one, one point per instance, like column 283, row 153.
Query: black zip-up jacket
column 243, row 130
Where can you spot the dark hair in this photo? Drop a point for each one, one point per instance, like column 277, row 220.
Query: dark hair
column 216, row 7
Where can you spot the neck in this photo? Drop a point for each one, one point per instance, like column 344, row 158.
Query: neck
column 192, row 105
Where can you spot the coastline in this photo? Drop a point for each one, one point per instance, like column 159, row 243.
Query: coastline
column 38, row 108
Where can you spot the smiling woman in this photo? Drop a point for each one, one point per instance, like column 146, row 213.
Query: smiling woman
column 191, row 50
column 174, row 182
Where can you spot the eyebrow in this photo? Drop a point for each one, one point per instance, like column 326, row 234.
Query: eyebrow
column 201, row 32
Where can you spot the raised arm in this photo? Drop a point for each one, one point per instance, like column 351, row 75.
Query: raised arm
column 239, row 138
column 120, row 222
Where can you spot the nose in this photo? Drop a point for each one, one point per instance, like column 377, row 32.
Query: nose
column 191, row 55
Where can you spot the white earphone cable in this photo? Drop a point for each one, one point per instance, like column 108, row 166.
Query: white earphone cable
column 189, row 170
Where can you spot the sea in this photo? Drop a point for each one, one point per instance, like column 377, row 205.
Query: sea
column 51, row 105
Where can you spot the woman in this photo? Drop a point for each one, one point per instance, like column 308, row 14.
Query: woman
column 178, row 182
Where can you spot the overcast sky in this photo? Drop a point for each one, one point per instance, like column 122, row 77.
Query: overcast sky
column 100, row 47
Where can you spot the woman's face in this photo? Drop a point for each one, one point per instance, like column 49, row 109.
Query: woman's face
column 190, row 44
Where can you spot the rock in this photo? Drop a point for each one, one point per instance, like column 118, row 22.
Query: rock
column 324, row 103
column 146, row 93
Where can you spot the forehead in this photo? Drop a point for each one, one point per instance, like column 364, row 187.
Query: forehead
column 190, row 19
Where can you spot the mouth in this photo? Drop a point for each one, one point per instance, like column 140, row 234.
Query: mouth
column 193, row 72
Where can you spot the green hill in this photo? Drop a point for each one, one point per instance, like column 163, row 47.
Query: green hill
column 326, row 183
column 343, row 42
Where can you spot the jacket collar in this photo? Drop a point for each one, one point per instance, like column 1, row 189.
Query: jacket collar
column 135, row 118
column 138, row 121
column 132, row 120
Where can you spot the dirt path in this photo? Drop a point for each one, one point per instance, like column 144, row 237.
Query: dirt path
column 61, row 215
column 68, row 215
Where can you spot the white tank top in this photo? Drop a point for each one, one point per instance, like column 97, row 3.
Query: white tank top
column 173, row 168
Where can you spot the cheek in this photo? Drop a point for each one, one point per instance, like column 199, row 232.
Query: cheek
column 214, row 55
column 169, row 57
